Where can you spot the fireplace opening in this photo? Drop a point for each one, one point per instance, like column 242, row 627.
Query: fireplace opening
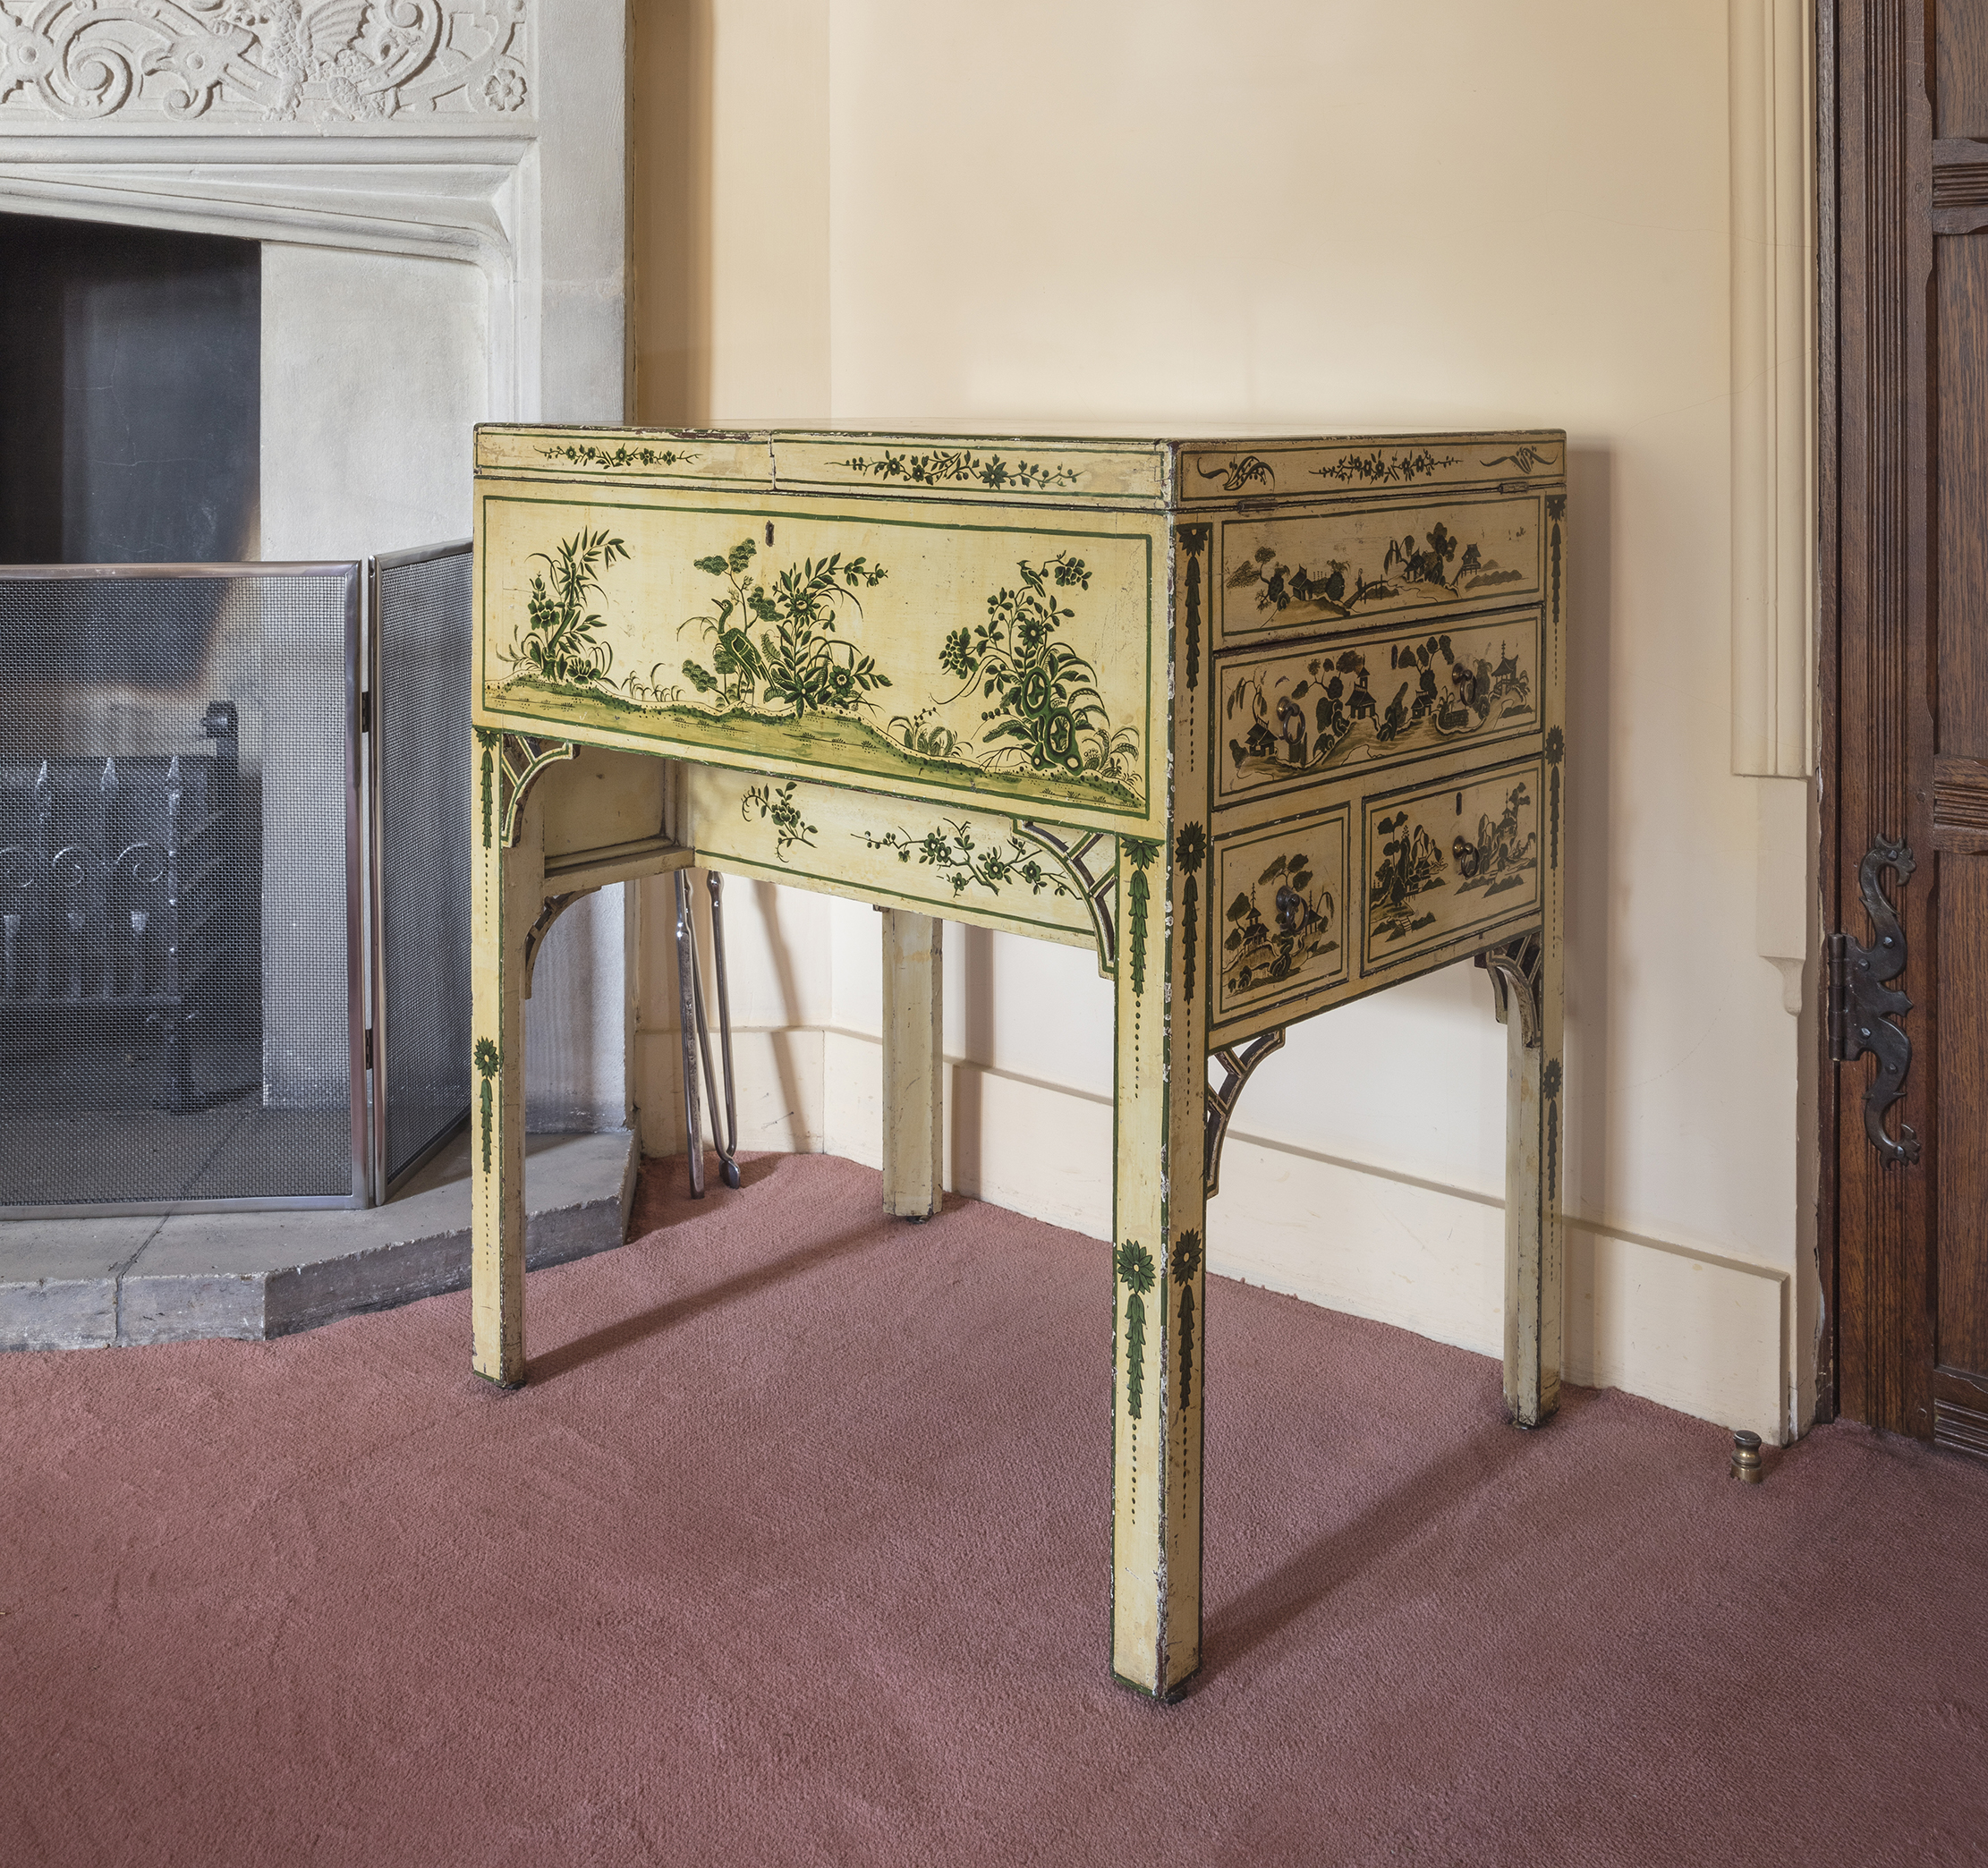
column 129, row 394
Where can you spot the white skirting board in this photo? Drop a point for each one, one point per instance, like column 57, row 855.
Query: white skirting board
column 1697, row 1330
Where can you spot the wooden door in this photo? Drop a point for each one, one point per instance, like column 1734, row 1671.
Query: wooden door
column 1903, row 86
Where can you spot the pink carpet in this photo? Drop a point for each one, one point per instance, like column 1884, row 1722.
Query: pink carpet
column 794, row 1551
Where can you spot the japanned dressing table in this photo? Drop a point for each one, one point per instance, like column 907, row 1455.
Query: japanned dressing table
column 1267, row 724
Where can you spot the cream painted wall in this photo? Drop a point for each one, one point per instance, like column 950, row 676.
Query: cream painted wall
column 1341, row 213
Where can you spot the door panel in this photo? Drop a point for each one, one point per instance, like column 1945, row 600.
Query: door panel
column 1905, row 397
column 1962, row 1280
column 1959, row 612
column 1960, row 590
column 1960, row 67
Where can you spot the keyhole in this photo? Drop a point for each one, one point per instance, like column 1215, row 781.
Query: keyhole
column 1459, row 803
column 770, row 532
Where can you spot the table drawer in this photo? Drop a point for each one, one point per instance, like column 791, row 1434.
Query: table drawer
column 1340, row 573
column 1446, row 862
column 1282, row 912
column 1326, row 707
column 966, row 866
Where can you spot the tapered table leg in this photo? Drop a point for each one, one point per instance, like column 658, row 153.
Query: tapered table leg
column 914, row 1105
column 1159, row 1211
column 508, row 887
column 688, row 1008
column 1526, row 974
column 1535, row 1075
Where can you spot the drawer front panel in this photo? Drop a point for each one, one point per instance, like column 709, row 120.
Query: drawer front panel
column 963, row 865
column 1444, row 862
column 635, row 459
column 1291, row 469
column 997, row 660
column 1337, row 573
column 965, row 467
column 1280, row 913
column 1302, row 713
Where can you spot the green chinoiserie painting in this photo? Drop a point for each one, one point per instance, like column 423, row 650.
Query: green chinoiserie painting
column 833, row 643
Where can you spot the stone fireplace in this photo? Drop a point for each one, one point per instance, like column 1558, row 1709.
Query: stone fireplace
column 434, row 195
column 436, row 188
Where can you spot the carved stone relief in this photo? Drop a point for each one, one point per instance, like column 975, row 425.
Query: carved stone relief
column 276, row 61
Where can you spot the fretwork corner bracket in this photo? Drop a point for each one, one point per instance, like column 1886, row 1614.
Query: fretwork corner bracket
column 1238, row 1064
column 1078, row 854
column 1516, row 967
column 551, row 908
column 507, row 766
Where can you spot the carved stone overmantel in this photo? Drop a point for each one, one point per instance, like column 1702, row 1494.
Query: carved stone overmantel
column 274, row 61
column 429, row 128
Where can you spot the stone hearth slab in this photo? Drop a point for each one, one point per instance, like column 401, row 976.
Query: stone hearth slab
column 85, row 1283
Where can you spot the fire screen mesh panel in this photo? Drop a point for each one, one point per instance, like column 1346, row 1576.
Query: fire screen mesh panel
column 178, row 886
column 420, row 737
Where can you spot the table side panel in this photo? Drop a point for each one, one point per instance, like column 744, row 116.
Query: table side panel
column 1362, row 841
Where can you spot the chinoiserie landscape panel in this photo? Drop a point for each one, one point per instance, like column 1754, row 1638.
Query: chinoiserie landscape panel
column 1449, row 859
column 1302, row 573
column 964, row 865
column 1313, row 710
column 1002, row 658
column 1281, row 911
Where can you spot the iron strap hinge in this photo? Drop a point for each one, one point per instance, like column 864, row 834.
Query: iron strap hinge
column 1865, row 1009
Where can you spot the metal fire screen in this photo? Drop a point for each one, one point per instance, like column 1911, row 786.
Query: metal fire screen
column 420, row 790
column 181, row 964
